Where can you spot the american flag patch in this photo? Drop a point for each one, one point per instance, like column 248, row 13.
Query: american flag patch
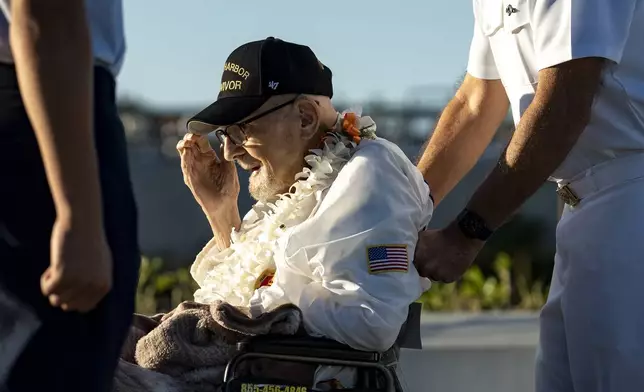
column 387, row 258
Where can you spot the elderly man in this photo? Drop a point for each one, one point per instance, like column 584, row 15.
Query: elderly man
column 573, row 74
column 338, row 210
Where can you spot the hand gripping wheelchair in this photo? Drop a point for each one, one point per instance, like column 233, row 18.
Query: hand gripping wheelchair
column 376, row 371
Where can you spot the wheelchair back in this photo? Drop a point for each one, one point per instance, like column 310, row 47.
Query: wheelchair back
column 376, row 371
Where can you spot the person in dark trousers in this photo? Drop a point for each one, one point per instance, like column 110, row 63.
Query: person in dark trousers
column 69, row 253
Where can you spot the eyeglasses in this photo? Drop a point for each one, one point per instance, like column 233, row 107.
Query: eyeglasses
column 235, row 132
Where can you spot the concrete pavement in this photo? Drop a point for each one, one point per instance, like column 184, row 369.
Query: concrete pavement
column 488, row 352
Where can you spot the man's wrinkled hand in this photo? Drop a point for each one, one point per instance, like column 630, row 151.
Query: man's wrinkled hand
column 80, row 272
column 444, row 255
column 212, row 180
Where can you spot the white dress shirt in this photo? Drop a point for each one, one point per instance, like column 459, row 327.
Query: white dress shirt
column 514, row 39
column 379, row 201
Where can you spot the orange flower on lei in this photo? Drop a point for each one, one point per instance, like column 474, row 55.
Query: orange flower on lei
column 350, row 126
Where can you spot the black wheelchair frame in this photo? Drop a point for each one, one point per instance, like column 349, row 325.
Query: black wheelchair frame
column 321, row 351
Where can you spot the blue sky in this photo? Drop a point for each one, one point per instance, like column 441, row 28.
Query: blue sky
column 392, row 50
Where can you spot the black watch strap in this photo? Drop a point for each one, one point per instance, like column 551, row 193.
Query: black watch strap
column 473, row 226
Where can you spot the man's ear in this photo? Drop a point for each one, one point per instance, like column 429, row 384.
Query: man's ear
column 309, row 117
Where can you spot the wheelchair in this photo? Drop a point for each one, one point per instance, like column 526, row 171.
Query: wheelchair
column 376, row 371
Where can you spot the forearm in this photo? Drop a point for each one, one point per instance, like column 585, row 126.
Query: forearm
column 456, row 145
column 541, row 142
column 51, row 46
column 222, row 222
column 463, row 132
column 548, row 130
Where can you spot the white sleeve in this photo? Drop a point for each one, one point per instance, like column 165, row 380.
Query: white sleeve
column 362, row 254
column 565, row 30
column 480, row 63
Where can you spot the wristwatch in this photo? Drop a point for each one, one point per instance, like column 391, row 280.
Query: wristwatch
column 473, row 226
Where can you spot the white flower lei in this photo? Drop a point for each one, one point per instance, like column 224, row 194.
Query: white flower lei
column 232, row 275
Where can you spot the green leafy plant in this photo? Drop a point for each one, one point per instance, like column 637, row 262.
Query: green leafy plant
column 161, row 290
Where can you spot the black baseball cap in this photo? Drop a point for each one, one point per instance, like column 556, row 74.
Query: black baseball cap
column 256, row 71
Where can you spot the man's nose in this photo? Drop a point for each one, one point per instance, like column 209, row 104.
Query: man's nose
column 231, row 150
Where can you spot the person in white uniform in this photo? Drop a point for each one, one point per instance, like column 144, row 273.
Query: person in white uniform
column 573, row 74
column 338, row 209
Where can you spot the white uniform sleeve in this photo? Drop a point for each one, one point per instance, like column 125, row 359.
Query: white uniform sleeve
column 481, row 63
column 565, row 30
column 361, row 255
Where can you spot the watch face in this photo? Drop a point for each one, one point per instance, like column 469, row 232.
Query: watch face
column 470, row 225
column 473, row 226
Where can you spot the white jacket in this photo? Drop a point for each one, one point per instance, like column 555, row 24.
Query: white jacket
column 349, row 267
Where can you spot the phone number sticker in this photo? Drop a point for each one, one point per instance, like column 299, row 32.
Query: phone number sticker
column 247, row 387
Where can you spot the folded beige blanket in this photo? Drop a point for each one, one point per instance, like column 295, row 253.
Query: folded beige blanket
column 188, row 348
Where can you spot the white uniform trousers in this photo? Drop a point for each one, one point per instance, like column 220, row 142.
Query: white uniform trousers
column 592, row 326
